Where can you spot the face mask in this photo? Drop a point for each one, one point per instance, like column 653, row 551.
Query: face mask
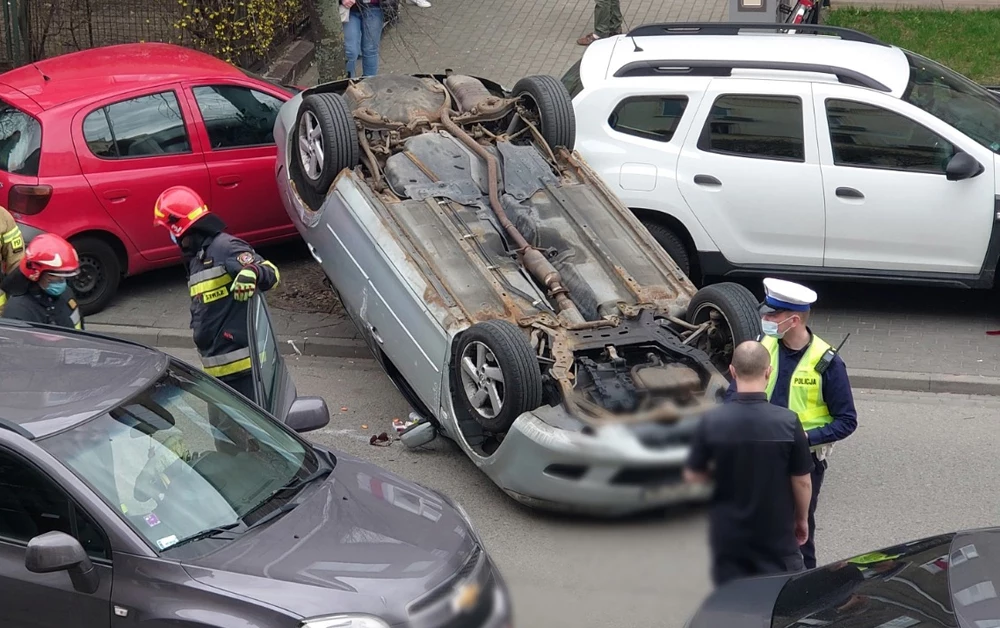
column 770, row 328
column 55, row 288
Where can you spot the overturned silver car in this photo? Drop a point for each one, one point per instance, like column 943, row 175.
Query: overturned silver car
column 520, row 308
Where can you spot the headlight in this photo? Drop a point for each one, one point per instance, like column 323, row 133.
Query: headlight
column 345, row 621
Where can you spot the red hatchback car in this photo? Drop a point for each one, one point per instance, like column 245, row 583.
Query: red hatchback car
column 88, row 140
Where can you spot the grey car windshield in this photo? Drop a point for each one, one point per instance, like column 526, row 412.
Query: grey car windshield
column 183, row 457
column 965, row 105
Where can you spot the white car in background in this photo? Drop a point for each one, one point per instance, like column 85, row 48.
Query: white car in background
column 823, row 153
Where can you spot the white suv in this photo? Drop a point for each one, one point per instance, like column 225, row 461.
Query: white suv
column 819, row 153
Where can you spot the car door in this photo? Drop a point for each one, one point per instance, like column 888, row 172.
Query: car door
column 31, row 504
column 274, row 385
column 890, row 204
column 749, row 171
column 133, row 147
column 236, row 126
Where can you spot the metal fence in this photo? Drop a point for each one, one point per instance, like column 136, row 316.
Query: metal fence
column 37, row 29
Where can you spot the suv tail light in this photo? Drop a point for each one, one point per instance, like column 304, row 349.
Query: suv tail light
column 28, row 199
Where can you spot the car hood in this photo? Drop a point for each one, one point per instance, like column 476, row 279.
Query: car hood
column 363, row 541
column 902, row 585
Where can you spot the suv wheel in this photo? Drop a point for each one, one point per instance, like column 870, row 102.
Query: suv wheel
column 672, row 244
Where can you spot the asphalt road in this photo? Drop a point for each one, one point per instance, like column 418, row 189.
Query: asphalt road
column 918, row 465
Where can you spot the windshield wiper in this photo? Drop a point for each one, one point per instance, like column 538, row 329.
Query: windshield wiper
column 294, row 484
column 204, row 534
column 274, row 514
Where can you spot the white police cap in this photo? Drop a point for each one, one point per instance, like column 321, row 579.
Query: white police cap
column 786, row 295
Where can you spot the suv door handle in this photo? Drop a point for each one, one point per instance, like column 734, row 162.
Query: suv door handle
column 849, row 193
column 229, row 180
column 116, row 195
column 706, row 179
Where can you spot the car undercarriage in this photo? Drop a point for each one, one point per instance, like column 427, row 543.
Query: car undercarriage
column 554, row 292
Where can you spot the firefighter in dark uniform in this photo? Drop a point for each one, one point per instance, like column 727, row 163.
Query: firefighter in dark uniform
column 224, row 272
column 37, row 290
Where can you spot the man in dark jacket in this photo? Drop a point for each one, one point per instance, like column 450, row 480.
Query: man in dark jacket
column 37, row 290
column 223, row 273
column 758, row 456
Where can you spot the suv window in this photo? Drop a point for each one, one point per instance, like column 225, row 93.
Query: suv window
column 866, row 136
column 31, row 504
column 139, row 127
column 651, row 117
column 765, row 127
column 237, row 116
column 20, row 141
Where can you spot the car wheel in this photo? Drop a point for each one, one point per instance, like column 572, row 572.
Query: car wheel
column 672, row 244
column 734, row 317
column 554, row 106
column 100, row 274
column 496, row 374
column 326, row 140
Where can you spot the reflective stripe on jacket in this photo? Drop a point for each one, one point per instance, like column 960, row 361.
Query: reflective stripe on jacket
column 805, row 394
column 218, row 320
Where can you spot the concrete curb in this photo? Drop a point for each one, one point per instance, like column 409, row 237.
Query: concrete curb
column 356, row 349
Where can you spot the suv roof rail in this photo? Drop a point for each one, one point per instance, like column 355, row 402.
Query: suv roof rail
column 734, row 28
column 701, row 67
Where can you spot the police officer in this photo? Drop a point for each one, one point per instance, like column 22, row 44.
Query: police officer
column 805, row 381
column 37, row 290
column 223, row 273
column 11, row 247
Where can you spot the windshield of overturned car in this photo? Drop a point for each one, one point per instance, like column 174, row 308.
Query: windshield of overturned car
column 184, row 456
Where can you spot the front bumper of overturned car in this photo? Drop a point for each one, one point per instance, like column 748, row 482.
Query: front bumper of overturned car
column 610, row 472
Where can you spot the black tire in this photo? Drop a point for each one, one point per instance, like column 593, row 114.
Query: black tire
column 339, row 136
column 522, row 377
column 100, row 274
column 672, row 244
column 738, row 306
column 557, row 119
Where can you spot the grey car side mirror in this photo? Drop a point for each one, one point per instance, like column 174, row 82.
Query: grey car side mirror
column 307, row 414
column 963, row 166
column 58, row 551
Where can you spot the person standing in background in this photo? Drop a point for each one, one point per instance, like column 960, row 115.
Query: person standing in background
column 363, row 34
column 607, row 21
column 758, row 456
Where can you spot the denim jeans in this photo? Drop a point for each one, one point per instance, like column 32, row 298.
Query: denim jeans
column 362, row 38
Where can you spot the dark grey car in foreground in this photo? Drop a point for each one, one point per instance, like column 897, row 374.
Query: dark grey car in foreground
column 136, row 490
column 948, row 580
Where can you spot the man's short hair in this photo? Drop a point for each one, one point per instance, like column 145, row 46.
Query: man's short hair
column 751, row 359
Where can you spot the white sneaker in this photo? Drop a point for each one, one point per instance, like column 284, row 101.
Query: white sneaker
column 423, row 4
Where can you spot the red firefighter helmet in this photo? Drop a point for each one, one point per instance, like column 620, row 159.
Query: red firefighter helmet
column 178, row 208
column 49, row 253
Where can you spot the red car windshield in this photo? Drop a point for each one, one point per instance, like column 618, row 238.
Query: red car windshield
column 20, row 141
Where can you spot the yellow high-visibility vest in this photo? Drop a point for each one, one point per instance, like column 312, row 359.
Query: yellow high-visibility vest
column 805, row 395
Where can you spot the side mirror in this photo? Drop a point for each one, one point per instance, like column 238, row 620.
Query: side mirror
column 57, row 551
column 963, row 166
column 307, row 414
